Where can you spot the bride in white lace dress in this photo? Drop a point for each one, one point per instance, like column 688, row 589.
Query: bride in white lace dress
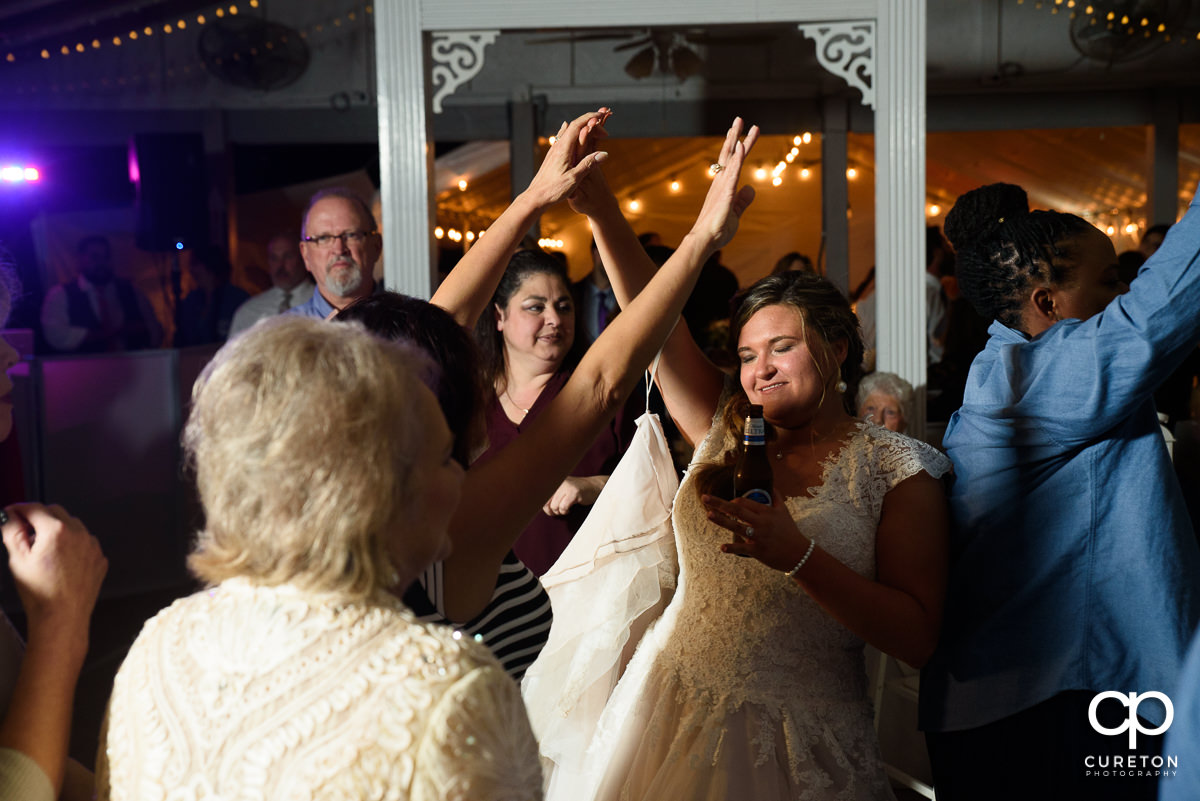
column 752, row 685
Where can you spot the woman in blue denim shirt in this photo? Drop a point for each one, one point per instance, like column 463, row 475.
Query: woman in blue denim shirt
column 1074, row 570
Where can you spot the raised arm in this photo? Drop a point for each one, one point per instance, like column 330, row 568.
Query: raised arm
column 468, row 288
column 501, row 495
column 58, row 568
column 690, row 383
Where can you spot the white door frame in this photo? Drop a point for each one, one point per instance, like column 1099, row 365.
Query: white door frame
column 895, row 67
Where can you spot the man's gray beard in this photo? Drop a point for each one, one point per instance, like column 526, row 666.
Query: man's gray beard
column 345, row 283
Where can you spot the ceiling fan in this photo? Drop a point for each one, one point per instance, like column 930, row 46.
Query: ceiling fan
column 1123, row 30
column 253, row 53
column 662, row 50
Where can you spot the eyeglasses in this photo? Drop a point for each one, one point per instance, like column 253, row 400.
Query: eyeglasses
column 349, row 237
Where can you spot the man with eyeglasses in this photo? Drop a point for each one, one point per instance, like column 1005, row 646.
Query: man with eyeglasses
column 340, row 244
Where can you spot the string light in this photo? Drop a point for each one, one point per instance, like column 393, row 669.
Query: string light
column 635, row 204
column 1150, row 25
column 1110, row 230
column 933, row 210
column 760, row 174
column 462, row 184
column 1131, row 228
column 805, row 173
column 851, row 173
column 470, row 236
column 438, row 232
column 675, row 186
column 148, row 31
column 777, row 180
column 547, row 242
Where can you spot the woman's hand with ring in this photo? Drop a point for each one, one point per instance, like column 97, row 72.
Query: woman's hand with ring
column 766, row 533
column 569, row 159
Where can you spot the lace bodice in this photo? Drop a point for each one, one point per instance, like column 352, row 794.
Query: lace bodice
column 746, row 688
column 757, row 629
column 244, row 692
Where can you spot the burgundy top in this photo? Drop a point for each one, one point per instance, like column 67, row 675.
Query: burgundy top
column 546, row 537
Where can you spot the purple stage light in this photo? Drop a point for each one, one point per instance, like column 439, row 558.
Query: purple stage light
column 15, row 174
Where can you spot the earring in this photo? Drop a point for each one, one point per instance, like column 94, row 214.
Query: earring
column 840, row 386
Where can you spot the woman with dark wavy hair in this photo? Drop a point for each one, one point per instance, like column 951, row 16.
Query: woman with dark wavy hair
column 1074, row 569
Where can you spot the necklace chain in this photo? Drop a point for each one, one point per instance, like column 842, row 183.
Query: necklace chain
column 514, row 403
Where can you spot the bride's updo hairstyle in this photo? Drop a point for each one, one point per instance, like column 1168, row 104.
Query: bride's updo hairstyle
column 1003, row 249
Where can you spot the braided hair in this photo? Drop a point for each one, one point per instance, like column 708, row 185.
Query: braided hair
column 1003, row 249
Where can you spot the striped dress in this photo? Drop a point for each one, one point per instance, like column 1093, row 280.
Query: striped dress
column 514, row 625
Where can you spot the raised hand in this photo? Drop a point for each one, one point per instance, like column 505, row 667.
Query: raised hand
column 725, row 202
column 570, row 158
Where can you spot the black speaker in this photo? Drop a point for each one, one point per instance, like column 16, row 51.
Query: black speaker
column 169, row 171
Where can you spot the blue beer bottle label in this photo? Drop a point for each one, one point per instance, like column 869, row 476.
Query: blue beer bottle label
column 758, row 496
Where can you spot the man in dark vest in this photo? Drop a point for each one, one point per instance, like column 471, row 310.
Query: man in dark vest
column 98, row 312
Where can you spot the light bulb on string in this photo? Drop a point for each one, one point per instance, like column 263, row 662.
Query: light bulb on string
column 675, row 186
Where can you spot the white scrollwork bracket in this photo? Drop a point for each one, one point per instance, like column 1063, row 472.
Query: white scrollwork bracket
column 847, row 49
column 457, row 58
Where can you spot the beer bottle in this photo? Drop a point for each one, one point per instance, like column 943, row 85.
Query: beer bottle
column 752, row 477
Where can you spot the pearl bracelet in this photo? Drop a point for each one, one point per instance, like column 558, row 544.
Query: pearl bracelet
column 811, row 544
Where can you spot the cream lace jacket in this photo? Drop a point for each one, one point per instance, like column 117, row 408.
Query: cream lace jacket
column 244, row 692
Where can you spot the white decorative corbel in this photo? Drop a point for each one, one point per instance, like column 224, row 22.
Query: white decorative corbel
column 847, row 49
column 457, row 58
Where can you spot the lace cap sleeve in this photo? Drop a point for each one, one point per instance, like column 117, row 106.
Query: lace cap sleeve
column 479, row 745
column 902, row 457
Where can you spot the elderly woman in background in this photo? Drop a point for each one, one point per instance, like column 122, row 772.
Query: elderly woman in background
column 326, row 473
column 57, row 568
column 885, row 399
